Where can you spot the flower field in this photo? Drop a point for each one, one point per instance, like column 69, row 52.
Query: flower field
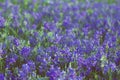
column 59, row 40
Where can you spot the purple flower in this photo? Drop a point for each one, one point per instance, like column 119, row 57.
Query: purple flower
column 34, row 26
column 46, row 26
column 2, row 76
column 2, row 22
column 33, row 41
column 26, row 68
column 37, row 16
column 31, row 65
column 66, row 23
column 118, row 53
column 71, row 75
column 106, row 69
column 112, row 66
column 53, row 73
column 117, row 61
column 25, row 51
column 11, row 59
column 22, row 75
column 16, row 42
column 20, row 31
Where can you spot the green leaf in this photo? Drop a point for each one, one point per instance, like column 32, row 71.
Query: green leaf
column 111, row 1
column 2, row 0
column 2, row 65
column 90, row 11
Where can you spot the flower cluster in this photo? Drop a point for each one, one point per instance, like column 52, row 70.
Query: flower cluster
column 59, row 40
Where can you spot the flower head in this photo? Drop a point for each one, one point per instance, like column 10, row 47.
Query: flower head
column 2, row 22
column 16, row 42
column 2, row 76
column 25, row 51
